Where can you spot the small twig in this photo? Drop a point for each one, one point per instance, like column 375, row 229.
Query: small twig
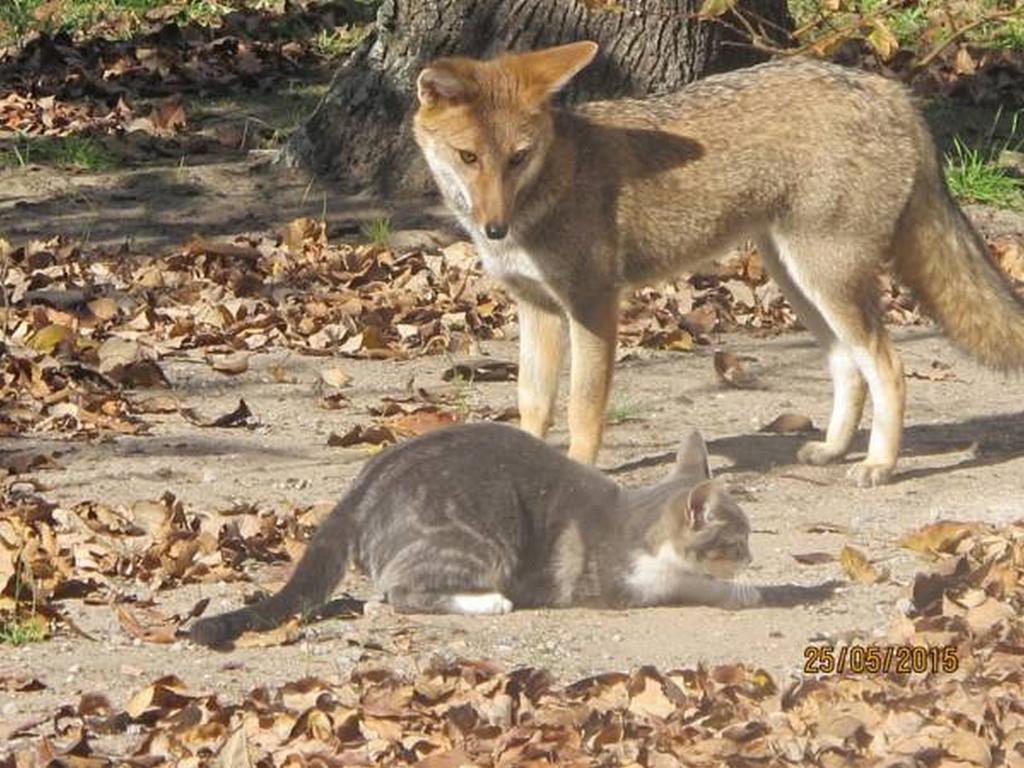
column 811, row 480
column 644, row 461
column 5, row 263
column 753, row 34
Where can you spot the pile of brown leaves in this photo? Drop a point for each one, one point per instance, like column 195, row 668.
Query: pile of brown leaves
column 84, row 326
column 472, row 712
column 106, row 82
column 90, row 550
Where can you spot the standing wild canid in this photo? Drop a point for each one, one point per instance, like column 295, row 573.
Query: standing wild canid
column 831, row 172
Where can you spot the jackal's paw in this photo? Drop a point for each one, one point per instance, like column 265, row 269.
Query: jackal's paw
column 869, row 475
column 818, row 453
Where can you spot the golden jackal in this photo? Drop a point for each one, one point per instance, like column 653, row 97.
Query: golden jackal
column 831, row 172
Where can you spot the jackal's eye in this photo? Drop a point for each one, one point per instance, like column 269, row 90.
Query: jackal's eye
column 518, row 157
column 467, row 157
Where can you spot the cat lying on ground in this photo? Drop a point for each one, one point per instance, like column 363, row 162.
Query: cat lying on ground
column 484, row 518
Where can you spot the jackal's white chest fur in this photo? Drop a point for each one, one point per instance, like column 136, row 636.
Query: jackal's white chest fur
column 505, row 260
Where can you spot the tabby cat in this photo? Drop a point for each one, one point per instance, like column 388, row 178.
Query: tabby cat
column 484, row 518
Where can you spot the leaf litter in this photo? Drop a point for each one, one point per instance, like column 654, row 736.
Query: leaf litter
column 463, row 711
column 49, row 553
column 223, row 301
column 86, row 326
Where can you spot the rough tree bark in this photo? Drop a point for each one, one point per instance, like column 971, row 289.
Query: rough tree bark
column 360, row 133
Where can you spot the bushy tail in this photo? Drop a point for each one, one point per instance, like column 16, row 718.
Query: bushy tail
column 942, row 257
column 322, row 566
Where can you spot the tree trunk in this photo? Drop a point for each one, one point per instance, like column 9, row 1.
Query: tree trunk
column 360, row 134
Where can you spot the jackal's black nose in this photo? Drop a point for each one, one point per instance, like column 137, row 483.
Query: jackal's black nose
column 496, row 231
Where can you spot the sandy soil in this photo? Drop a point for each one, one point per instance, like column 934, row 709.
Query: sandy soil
column 963, row 459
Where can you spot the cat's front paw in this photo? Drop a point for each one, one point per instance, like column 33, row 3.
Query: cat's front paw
column 867, row 475
column 791, row 595
column 484, row 604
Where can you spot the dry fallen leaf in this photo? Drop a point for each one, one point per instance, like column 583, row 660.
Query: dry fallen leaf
column 169, row 692
column 482, row 369
column 157, row 404
column 241, row 416
column 21, row 462
column 938, row 538
column 283, row 634
column 230, row 364
column 236, row 752
column 824, row 527
column 335, row 377
column 359, row 435
column 146, row 624
column 334, row 401
column 46, row 339
column 858, row 568
column 104, row 308
column 789, row 423
column 21, row 684
column 423, row 420
column 297, row 233
column 814, row 558
column 730, row 370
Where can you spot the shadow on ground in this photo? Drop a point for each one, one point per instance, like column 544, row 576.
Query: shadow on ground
column 984, row 441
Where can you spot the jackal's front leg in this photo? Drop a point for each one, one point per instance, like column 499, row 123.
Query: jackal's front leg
column 592, row 331
column 541, row 346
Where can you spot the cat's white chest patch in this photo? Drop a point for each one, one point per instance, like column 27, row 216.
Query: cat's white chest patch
column 653, row 576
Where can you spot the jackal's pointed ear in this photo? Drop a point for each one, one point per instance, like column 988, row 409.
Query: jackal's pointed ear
column 440, row 83
column 551, row 68
column 692, row 458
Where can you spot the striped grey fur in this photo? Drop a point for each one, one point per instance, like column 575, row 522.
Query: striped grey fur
column 482, row 518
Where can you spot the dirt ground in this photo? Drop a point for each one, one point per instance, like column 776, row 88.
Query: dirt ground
column 963, row 458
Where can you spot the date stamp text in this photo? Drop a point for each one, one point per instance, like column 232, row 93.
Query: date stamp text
column 879, row 659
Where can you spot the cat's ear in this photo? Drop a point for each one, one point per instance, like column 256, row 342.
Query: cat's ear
column 692, row 458
column 702, row 502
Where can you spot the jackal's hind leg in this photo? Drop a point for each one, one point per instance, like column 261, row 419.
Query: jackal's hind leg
column 840, row 306
column 849, row 391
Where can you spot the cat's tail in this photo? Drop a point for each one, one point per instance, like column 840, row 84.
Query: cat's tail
column 321, row 567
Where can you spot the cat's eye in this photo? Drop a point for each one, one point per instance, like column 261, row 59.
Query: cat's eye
column 518, row 157
column 467, row 157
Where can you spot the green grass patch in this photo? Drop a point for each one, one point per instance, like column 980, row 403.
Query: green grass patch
column 916, row 26
column 976, row 174
column 124, row 18
column 340, row 41
column 620, row 413
column 80, row 153
column 21, row 17
column 1008, row 36
column 23, row 631
column 17, row 18
column 377, row 231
